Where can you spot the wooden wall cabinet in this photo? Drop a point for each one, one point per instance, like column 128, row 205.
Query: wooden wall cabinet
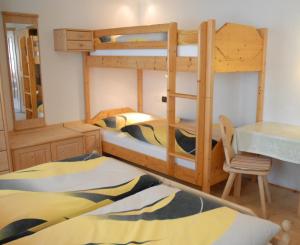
column 73, row 40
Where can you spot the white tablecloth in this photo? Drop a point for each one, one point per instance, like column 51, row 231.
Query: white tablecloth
column 276, row 140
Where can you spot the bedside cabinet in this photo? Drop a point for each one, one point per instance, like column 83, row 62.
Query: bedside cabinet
column 91, row 135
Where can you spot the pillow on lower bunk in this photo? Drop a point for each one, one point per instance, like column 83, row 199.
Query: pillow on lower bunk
column 155, row 132
column 37, row 197
column 118, row 121
column 159, row 215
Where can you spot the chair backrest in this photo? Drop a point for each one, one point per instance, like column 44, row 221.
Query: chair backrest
column 227, row 133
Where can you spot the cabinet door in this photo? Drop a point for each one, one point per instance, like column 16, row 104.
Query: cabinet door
column 1, row 117
column 31, row 156
column 2, row 141
column 67, row 148
column 3, row 161
column 92, row 141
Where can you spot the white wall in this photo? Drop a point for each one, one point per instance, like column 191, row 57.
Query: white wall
column 62, row 72
column 235, row 94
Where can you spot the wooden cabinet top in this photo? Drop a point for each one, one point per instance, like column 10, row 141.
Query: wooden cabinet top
column 81, row 127
column 41, row 136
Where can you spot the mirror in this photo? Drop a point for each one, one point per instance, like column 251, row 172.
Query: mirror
column 22, row 44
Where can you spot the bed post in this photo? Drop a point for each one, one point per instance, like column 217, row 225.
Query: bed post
column 171, row 112
column 206, row 46
column 262, row 77
column 139, row 74
column 86, row 81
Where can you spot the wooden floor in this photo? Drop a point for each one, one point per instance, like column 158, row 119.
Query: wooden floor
column 284, row 204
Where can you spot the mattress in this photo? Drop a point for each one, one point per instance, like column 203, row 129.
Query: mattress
column 159, row 215
column 37, row 197
column 182, row 51
column 130, row 143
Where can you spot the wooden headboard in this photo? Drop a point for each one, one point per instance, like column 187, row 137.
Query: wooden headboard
column 110, row 112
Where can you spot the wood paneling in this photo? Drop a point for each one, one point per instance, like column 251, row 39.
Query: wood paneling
column 183, row 64
column 187, row 37
column 238, row 48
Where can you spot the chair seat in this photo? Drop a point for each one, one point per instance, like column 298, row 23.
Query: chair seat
column 250, row 163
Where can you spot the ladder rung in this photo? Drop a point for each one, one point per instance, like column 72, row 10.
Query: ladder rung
column 184, row 126
column 185, row 156
column 185, row 96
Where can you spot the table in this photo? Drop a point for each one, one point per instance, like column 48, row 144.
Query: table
column 275, row 140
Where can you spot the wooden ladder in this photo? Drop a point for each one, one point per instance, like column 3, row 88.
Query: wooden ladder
column 203, row 126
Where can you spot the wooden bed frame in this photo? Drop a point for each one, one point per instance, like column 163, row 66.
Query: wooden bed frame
column 231, row 48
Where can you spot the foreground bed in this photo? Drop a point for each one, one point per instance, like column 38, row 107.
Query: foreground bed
column 37, row 197
column 160, row 215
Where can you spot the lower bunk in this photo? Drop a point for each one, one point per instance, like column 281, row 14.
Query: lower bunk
column 133, row 146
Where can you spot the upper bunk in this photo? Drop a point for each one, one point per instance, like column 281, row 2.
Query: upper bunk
column 237, row 47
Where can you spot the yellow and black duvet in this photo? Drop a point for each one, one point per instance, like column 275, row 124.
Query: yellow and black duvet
column 155, row 132
column 159, row 215
column 37, row 197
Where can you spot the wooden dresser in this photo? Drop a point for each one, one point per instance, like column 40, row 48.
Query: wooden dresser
column 52, row 143
column 5, row 160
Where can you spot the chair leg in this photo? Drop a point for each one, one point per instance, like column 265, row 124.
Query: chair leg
column 262, row 195
column 228, row 186
column 267, row 189
column 237, row 185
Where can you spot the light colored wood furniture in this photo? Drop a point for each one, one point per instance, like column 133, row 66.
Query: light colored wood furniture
column 73, row 40
column 5, row 159
column 52, row 143
column 231, row 48
column 91, row 135
column 237, row 164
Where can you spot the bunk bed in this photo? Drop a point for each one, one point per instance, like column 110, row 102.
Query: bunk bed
column 231, row 48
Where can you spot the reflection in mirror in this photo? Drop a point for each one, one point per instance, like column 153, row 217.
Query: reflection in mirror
column 24, row 63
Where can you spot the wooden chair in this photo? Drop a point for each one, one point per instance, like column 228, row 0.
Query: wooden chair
column 238, row 164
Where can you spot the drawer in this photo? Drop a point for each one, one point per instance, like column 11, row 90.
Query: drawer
column 4, row 161
column 92, row 141
column 79, row 45
column 80, row 35
column 67, row 148
column 2, row 141
column 31, row 156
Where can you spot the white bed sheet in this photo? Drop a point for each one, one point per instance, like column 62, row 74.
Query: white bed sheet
column 182, row 51
column 123, row 140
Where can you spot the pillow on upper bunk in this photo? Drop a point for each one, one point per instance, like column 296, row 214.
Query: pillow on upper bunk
column 119, row 121
column 155, row 132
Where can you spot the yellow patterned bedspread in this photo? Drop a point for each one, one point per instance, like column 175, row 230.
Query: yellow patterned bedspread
column 160, row 215
column 37, row 197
